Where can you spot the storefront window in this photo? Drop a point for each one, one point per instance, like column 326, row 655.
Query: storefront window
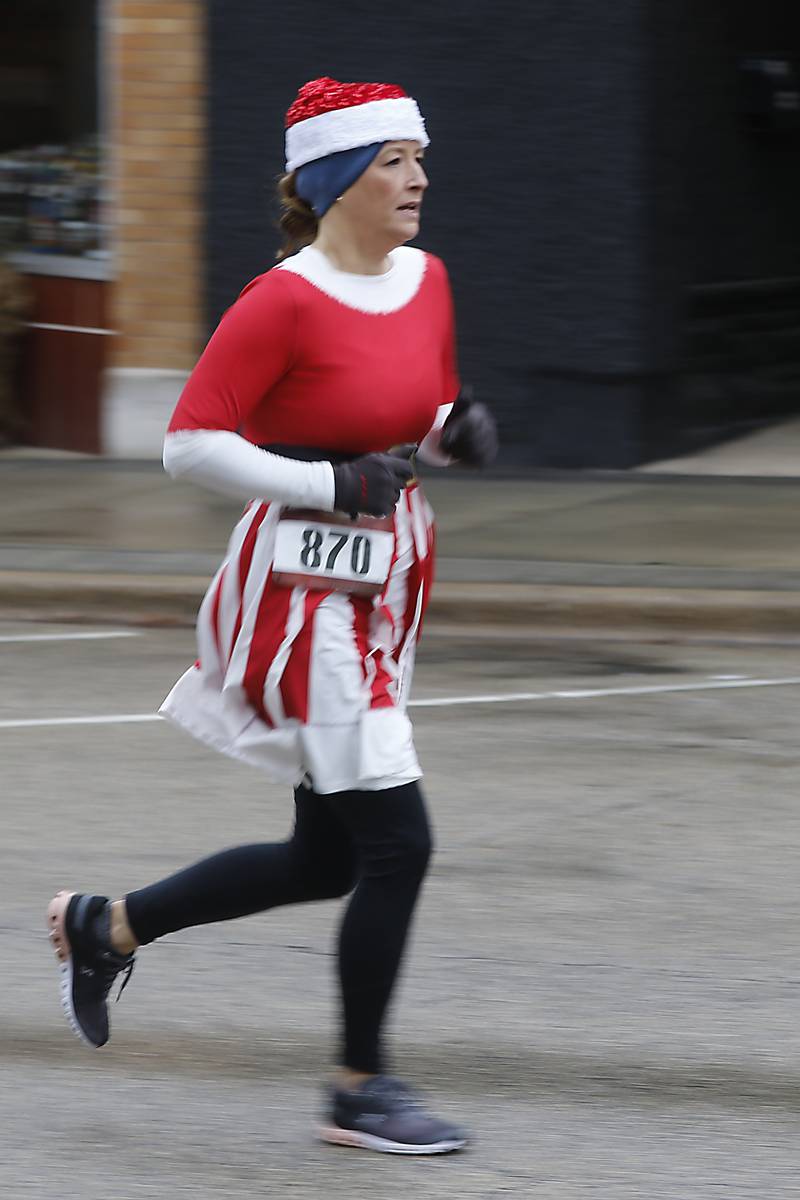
column 51, row 162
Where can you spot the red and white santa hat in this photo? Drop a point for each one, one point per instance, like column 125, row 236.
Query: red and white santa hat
column 328, row 116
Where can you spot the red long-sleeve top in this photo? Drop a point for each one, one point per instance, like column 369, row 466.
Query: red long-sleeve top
column 292, row 364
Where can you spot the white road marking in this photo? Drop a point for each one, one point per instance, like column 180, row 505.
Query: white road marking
column 69, row 637
column 449, row 701
column 591, row 693
column 121, row 719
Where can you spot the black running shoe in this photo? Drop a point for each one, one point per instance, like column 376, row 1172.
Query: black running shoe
column 80, row 930
column 383, row 1114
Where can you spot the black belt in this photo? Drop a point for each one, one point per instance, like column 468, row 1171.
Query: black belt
column 314, row 453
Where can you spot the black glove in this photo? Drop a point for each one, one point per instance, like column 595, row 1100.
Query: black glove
column 469, row 434
column 372, row 484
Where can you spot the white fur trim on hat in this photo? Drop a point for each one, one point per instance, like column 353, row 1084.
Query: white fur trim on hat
column 360, row 125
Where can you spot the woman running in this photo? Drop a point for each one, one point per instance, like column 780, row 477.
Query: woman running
column 319, row 382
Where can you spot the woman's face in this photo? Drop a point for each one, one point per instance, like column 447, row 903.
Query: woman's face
column 387, row 198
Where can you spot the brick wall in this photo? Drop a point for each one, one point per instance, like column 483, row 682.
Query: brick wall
column 155, row 73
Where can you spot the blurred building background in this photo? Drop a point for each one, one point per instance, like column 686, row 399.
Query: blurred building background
column 615, row 191
column 103, row 171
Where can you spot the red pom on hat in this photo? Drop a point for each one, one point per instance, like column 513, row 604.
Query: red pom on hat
column 328, row 116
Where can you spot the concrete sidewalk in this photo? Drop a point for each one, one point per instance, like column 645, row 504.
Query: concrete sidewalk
column 85, row 538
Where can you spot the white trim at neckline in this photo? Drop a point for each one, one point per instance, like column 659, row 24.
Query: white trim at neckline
column 376, row 294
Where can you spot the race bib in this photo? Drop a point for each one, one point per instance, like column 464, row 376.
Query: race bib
column 352, row 557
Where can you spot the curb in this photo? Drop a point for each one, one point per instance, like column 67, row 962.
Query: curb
column 175, row 599
column 552, row 607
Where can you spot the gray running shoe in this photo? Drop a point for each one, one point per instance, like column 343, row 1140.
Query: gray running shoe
column 80, row 930
column 384, row 1114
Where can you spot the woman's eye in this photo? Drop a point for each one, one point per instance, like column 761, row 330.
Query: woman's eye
column 394, row 162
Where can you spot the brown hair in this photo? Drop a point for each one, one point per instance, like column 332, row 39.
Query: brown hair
column 298, row 220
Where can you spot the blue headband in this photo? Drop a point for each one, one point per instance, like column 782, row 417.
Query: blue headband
column 322, row 182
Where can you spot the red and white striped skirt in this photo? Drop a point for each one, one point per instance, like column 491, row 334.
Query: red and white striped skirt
column 310, row 685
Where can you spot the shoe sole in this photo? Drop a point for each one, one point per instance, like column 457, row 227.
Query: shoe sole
column 368, row 1141
column 57, row 930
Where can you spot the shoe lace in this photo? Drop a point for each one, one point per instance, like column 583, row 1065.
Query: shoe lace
column 109, row 969
column 128, row 972
column 399, row 1093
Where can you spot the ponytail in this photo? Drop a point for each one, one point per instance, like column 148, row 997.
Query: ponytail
column 298, row 221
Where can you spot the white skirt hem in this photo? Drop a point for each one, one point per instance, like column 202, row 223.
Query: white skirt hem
column 372, row 754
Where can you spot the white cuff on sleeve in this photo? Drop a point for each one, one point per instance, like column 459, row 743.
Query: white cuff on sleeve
column 227, row 463
column 429, row 451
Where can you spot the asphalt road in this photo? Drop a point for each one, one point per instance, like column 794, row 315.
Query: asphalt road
column 604, row 979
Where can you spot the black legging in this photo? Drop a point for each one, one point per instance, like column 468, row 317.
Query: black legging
column 378, row 842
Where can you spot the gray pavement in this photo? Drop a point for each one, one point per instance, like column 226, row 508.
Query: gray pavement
column 773, row 450
column 603, row 981
column 83, row 537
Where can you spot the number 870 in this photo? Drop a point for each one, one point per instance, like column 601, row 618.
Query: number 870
column 360, row 551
